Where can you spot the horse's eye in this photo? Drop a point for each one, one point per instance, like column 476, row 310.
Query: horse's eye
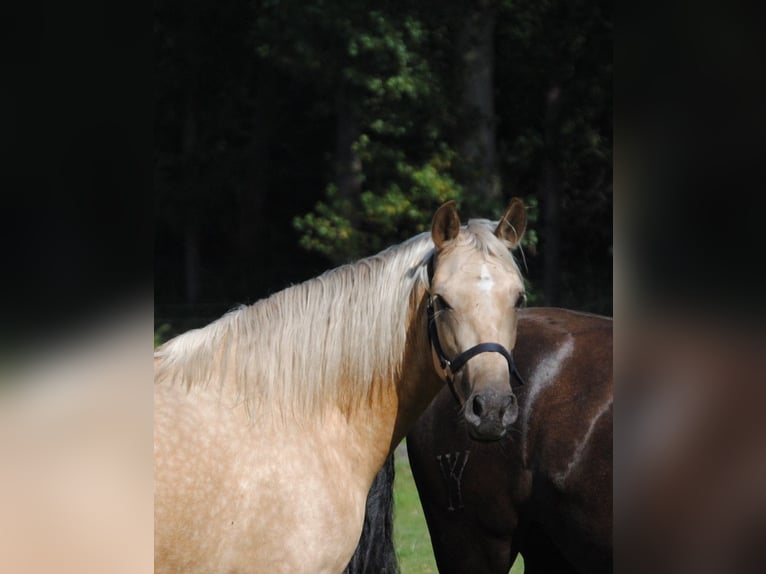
column 441, row 303
column 521, row 300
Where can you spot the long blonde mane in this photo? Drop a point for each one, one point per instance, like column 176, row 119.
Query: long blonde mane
column 327, row 341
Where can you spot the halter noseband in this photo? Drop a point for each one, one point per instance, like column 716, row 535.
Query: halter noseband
column 452, row 366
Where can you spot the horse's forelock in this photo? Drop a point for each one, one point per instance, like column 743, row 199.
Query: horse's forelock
column 481, row 235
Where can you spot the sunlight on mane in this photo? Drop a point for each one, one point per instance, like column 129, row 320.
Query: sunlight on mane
column 327, row 341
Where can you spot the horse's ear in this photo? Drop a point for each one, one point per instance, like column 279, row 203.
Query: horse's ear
column 514, row 222
column 445, row 225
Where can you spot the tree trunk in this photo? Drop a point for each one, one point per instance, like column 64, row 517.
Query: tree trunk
column 189, row 154
column 478, row 149
column 551, row 199
column 192, row 267
column 348, row 166
column 254, row 187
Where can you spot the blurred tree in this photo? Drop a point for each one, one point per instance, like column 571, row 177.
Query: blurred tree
column 392, row 164
column 455, row 53
column 350, row 123
column 555, row 117
column 477, row 139
column 227, row 143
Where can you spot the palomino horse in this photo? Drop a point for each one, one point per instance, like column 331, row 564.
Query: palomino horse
column 545, row 491
column 272, row 422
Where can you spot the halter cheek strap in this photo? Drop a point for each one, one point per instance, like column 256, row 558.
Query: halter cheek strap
column 452, row 366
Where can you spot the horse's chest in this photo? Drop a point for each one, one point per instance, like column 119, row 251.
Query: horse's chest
column 241, row 497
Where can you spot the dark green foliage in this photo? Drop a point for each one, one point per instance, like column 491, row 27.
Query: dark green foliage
column 291, row 136
column 344, row 229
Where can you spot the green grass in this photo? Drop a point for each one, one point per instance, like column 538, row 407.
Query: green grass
column 413, row 545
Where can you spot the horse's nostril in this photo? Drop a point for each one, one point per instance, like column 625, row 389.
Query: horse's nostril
column 478, row 405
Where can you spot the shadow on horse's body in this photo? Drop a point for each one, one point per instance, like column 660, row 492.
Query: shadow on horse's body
column 376, row 553
column 545, row 491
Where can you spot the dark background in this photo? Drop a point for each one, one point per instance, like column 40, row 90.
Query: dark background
column 294, row 136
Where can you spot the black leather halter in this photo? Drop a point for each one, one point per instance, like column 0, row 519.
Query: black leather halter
column 452, row 366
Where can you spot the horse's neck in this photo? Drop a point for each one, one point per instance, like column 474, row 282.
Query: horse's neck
column 419, row 383
column 385, row 420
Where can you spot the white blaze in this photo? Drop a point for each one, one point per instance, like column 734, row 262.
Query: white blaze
column 485, row 280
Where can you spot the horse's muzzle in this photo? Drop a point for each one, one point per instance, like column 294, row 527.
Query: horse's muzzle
column 490, row 414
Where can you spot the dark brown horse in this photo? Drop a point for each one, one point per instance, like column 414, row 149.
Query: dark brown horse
column 545, row 491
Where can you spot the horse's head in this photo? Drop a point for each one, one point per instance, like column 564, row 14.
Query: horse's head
column 475, row 291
